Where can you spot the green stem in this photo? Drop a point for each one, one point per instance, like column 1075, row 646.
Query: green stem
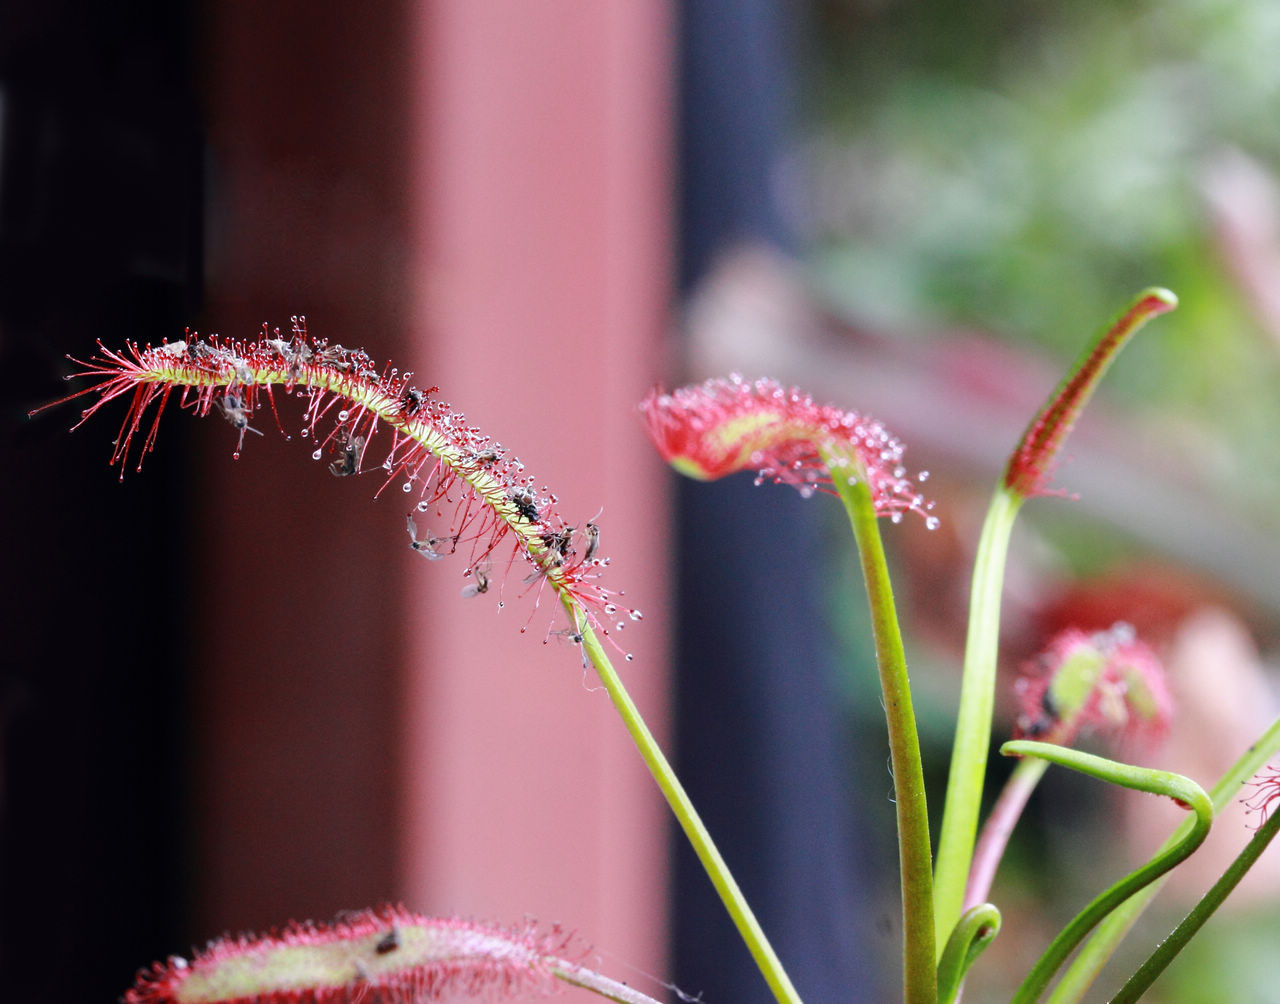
column 588, row 979
column 1140, row 981
column 1098, row 949
column 725, row 885
column 973, row 724
column 1185, row 792
column 915, row 865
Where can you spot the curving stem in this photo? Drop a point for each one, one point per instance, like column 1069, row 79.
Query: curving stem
column 694, row 829
column 1185, row 792
column 1098, row 949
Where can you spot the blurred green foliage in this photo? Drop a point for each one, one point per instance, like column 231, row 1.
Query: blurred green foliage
column 1024, row 168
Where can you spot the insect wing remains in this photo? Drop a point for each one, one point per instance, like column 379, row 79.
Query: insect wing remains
column 425, row 546
column 479, row 581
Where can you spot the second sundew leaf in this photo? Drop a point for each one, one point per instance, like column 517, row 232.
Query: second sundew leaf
column 720, row 427
column 1026, row 475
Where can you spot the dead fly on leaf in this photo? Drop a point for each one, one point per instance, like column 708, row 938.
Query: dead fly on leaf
column 569, row 634
column 480, row 584
column 591, row 534
column 411, row 401
column 389, row 942
column 525, row 501
column 593, row 541
column 349, row 463
column 425, row 546
column 559, row 546
column 335, row 356
column 234, row 411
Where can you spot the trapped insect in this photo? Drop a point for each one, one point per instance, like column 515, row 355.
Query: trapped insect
column 570, row 634
column 425, row 546
column 480, row 583
column 591, row 532
column 559, row 547
column 349, row 463
column 389, row 942
column 234, row 411
column 412, row 400
column 525, row 501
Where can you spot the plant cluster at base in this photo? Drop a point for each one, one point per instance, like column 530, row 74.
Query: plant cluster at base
column 1105, row 681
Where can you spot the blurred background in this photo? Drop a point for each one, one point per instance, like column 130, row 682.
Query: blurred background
column 230, row 695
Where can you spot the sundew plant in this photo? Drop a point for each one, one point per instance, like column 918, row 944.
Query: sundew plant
column 467, row 495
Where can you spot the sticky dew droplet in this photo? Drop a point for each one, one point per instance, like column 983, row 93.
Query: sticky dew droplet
column 636, row 615
column 424, row 506
column 316, row 455
column 629, row 657
column 931, row 522
column 343, row 415
column 407, row 487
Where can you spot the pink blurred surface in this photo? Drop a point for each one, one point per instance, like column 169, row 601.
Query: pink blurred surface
column 481, row 194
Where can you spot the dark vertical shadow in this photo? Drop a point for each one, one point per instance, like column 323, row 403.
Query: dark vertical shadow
column 761, row 731
column 100, row 208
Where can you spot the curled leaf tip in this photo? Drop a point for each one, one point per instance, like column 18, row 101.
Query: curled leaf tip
column 722, row 426
column 1031, row 465
column 976, row 930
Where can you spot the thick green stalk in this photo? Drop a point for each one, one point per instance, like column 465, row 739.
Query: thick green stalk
column 1098, row 949
column 1165, row 953
column 973, row 724
column 1185, row 792
column 725, row 885
column 915, row 865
